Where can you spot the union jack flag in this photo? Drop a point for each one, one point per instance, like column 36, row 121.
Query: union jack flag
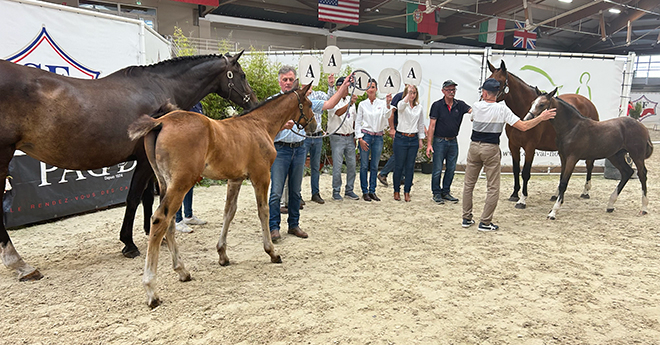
column 523, row 38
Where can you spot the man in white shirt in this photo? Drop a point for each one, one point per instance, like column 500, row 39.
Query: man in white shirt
column 341, row 121
column 488, row 120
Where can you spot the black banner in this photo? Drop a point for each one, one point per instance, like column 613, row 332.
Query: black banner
column 41, row 192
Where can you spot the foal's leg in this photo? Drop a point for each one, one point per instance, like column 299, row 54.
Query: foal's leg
column 162, row 222
column 10, row 256
column 562, row 160
column 526, row 174
column 233, row 188
column 619, row 162
column 141, row 177
column 568, row 165
column 260, row 185
column 587, row 185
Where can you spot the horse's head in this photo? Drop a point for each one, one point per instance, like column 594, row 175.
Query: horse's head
column 542, row 102
column 501, row 75
column 306, row 117
column 233, row 84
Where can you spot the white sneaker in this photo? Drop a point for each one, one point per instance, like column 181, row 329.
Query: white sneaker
column 194, row 221
column 183, row 227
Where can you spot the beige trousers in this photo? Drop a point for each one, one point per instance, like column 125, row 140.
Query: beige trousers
column 487, row 156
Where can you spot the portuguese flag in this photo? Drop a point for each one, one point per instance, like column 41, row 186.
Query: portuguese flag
column 418, row 21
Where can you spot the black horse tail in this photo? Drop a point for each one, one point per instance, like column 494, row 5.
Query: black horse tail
column 649, row 148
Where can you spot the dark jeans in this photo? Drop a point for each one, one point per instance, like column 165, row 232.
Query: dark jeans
column 405, row 149
column 313, row 147
column 443, row 150
column 187, row 206
column 289, row 162
column 369, row 162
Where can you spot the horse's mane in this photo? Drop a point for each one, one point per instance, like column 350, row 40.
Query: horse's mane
column 520, row 80
column 268, row 100
column 570, row 106
column 134, row 71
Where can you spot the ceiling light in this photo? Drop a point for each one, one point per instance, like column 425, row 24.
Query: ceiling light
column 566, row 1
column 614, row 10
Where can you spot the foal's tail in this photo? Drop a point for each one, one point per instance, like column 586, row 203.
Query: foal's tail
column 142, row 126
column 649, row 148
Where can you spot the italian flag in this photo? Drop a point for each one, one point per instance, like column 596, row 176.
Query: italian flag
column 488, row 36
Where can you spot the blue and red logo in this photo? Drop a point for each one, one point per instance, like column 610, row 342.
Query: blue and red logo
column 44, row 53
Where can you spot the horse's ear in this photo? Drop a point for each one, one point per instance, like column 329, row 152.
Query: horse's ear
column 235, row 58
column 490, row 66
column 538, row 92
column 552, row 94
column 296, row 84
column 306, row 88
column 502, row 66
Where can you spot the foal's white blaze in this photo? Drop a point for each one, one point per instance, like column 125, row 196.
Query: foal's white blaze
column 535, row 104
column 12, row 259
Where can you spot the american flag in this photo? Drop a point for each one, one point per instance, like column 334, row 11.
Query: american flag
column 340, row 11
column 523, row 38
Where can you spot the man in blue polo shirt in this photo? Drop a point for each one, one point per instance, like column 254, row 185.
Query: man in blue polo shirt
column 290, row 160
column 446, row 117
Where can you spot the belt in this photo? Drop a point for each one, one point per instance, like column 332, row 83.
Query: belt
column 317, row 134
column 447, row 138
column 409, row 135
column 344, row 135
column 378, row 134
column 291, row 145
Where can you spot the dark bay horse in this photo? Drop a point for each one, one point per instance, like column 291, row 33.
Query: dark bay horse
column 518, row 95
column 82, row 124
column 579, row 137
column 182, row 146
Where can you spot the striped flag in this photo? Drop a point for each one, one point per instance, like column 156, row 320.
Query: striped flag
column 489, row 35
column 418, row 21
column 340, row 11
column 523, row 38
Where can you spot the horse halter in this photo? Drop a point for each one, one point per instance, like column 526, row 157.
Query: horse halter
column 232, row 86
column 505, row 90
column 302, row 114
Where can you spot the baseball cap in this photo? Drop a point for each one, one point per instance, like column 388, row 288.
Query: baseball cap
column 491, row 85
column 340, row 81
column 448, row 83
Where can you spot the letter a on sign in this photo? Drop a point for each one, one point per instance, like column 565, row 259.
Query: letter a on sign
column 309, row 70
column 332, row 60
column 389, row 81
column 412, row 72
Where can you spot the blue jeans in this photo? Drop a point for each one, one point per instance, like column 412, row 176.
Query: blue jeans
column 313, row 147
column 443, row 150
column 389, row 166
column 343, row 148
column 290, row 161
column 369, row 162
column 187, row 206
column 405, row 149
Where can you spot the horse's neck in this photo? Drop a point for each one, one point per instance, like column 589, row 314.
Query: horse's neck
column 272, row 115
column 567, row 118
column 520, row 96
column 185, row 82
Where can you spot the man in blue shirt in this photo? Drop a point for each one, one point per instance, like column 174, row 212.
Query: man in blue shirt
column 446, row 117
column 290, row 160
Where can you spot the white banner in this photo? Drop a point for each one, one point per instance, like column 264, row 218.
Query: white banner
column 74, row 42
column 596, row 78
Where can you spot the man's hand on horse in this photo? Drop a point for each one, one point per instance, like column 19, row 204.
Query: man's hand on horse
column 548, row 114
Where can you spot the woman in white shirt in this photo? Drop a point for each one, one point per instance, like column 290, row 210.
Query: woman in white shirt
column 370, row 122
column 408, row 139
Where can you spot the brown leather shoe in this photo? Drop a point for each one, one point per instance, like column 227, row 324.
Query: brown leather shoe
column 382, row 179
column 366, row 197
column 284, row 210
column 406, row 196
column 275, row 235
column 297, row 231
column 397, row 196
column 374, row 197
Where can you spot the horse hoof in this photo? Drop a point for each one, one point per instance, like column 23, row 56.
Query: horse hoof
column 223, row 262
column 551, row 218
column 553, row 198
column 186, row 278
column 33, row 276
column 643, row 213
column 610, row 210
column 514, row 198
column 276, row 260
column 585, row 196
column 130, row 252
column 154, row 303
column 521, row 206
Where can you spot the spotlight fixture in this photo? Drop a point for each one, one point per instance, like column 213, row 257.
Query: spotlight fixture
column 566, row 1
column 614, row 10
